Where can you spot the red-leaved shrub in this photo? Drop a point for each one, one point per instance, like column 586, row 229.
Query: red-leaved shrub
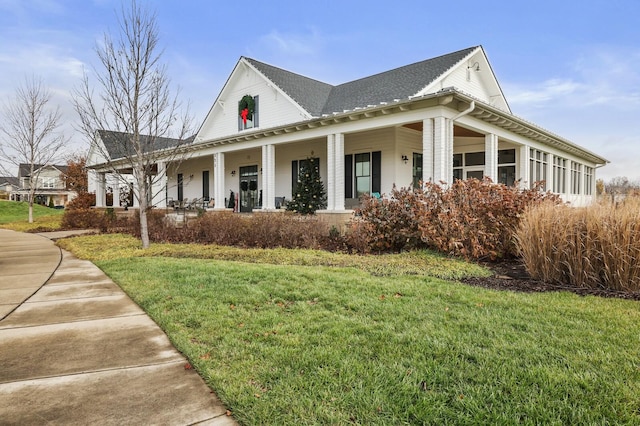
column 472, row 218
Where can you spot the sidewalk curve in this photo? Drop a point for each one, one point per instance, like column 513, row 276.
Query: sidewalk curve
column 75, row 349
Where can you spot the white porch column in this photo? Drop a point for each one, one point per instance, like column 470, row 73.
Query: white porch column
column 550, row 177
column 101, row 190
column 441, row 151
column 331, row 172
column 116, row 193
column 338, row 166
column 427, row 150
column 218, row 180
column 567, row 180
column 523, row 163
column 268, row 177
column 159, row 187
column 491, row 156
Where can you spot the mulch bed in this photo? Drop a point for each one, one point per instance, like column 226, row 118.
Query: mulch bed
column 512, row 276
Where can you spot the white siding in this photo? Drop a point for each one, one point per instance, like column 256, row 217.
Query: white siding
column 274, row 108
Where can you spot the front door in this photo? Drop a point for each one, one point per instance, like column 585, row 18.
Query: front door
column 248, row 188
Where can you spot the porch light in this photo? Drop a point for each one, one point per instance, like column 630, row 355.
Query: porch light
column 405, row 159
column 233, row 172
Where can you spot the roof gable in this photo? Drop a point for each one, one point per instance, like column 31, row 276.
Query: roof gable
column 306, row 98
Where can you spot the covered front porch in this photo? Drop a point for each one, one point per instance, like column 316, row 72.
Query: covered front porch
column 436, row 138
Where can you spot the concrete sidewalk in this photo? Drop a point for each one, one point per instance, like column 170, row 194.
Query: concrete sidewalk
column 77, row 350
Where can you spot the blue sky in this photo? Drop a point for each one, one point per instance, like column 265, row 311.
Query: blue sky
column 572, row 67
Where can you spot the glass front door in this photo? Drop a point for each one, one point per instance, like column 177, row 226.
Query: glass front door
column 248, row 188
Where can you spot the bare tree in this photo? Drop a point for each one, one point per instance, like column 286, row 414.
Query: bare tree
column 135, row 101
column 29, row 132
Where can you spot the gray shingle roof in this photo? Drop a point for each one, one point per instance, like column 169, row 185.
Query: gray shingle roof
column 118, row 146
column 11, row 180
column 321, row 98
column 25, row 168
column 309, row 93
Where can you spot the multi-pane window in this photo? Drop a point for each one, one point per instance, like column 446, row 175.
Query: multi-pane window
column 468, row 165
column 559, row 175
column 588, row 180
column 248, row 112
column 363, row 174
column 576, row 177
column 471, row 165
column 538, row 168
column 48, row 182
column 417, row 169
column 507, row 166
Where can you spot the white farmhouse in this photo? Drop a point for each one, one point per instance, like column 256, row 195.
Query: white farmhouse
column 437, row 120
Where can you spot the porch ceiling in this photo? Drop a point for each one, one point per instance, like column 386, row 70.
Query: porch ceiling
column 457, row 130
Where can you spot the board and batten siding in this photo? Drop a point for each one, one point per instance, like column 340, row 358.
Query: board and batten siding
column 274, row 108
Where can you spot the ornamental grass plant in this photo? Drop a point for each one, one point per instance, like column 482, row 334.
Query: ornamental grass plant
column 592, row 247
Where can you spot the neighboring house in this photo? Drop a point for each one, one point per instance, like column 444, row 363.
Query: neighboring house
column 437, row 120
column 49, row 185
column 8, row 184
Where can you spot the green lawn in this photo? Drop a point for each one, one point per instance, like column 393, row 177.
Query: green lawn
column 15, row 215
column 300, row 344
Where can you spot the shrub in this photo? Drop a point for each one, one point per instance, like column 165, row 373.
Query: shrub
column 472, row 218
column 84, row 219
column 592, row 247
column 258, row 230
column 84, row 200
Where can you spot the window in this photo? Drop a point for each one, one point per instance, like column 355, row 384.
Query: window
column 248, row 112
column 48, row 182
column 362, row 174
column 180, row 180
column 296, row 165
column 576, row 177
column 507, row 167
column 588, row 180
column 417, row 169
column 205, row 185
column 538, row 168
column 559, row 175
column 468, row 165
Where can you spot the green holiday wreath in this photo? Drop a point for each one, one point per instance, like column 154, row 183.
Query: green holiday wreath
column 249, row 104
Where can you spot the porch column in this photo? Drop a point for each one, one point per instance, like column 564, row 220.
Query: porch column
column 523, row 162
column 335, row 172
column 550, row 177
column 116, row 193
column 159, row 187
column 427, row 150
column 331, row 172
column 441, row 151
column 268, row 177
column 567, row 180
column 338, row 166
column 491, row 156
column 101, row 199
column 218, row 180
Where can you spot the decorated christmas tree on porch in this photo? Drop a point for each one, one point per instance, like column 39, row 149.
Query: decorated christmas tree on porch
column 309, row 194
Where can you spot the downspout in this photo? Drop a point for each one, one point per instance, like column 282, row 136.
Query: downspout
column 472, row 106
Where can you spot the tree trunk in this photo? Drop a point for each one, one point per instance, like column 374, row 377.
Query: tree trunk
column 144, row 228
